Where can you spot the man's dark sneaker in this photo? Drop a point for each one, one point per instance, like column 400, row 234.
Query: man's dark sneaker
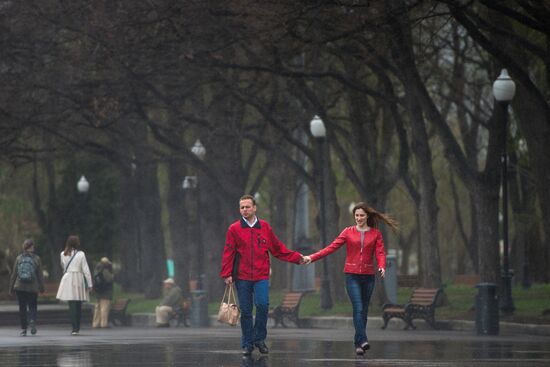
column 33, row 327
column 262, row 348
column 23, row 332
column 365, row 346
column 247, row 350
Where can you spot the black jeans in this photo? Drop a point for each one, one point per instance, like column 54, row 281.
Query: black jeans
column 27, row 301
column 75, row 311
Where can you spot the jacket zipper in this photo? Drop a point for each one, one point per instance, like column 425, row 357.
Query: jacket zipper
column 362, row 240
column 252, row 252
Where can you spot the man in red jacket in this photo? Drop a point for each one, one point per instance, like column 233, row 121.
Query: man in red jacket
column 245, row 261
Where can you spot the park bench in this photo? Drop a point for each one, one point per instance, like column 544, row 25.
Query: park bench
column 50, row 292
column 181, row 314
column 421, row 305
column 469, row 280
column 289, row 308
column 118, row 312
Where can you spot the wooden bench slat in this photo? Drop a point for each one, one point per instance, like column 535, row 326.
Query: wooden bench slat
column 421, row 305
column 289, row 308
column 118, row 312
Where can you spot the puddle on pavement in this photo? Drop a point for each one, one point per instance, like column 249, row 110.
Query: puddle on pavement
column 284, row 353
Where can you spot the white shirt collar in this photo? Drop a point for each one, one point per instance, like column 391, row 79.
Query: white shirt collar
column 251, row 224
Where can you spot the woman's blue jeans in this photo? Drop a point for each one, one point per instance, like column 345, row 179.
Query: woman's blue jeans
column 252, row 293
column 360, row 288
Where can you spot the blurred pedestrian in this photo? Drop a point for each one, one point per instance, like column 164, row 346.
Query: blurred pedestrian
column 245, row 261
column 173, row 297
column 103, row 290
column 363, row 243
column 27, row 280
column 76, row 281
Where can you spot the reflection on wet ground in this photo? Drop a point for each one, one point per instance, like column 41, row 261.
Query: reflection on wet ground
column 284, row 353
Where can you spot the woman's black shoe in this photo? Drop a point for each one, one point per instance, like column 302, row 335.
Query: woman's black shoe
column 365, row 346
column 262, row 348
column 23, row 332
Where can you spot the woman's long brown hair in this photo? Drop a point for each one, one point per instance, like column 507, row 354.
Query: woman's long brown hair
column 374, row 217
column 73, row 243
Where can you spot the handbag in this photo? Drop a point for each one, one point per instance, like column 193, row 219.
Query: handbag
column 229, row 312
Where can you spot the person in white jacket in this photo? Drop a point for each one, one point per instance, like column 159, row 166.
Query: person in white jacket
column 76, row 282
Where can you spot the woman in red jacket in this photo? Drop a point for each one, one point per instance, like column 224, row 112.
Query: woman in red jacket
column 363, row 242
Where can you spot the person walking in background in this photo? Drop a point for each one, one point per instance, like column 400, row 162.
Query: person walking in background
column 170, row 303
column 103, row 289
column 76, row 281
column 245, row 261
column 27, row 280
column 363, row 242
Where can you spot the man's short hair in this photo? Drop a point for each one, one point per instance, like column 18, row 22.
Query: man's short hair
column 248, row 197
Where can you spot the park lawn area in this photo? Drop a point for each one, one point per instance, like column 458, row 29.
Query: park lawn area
column 458, row 304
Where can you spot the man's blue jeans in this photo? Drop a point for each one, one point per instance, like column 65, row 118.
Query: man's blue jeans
column 360, row 288
column 248, row 292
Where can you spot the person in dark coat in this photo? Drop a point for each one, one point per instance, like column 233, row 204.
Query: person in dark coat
column 103, row 289
column 27, row 280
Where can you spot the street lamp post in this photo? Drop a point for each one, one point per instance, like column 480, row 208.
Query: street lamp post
column 199, row 151
column 319, row 132
column 504, row 89
column 199, row 305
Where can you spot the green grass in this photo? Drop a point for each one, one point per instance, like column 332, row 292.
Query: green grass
column 458, row 305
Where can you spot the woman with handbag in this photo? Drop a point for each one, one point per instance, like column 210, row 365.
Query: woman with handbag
column 76, row 281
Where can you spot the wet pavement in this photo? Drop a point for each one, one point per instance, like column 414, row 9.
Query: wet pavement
column 219, row 346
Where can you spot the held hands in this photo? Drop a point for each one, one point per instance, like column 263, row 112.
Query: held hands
column 305, row 260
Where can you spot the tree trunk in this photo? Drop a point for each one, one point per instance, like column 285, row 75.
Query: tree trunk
column 430, row 271
column 526, row 223
column 152, row 252
column 535, row 126
column 49, row 218
column 128, row 238
column 430, row 268
column 280, row 192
